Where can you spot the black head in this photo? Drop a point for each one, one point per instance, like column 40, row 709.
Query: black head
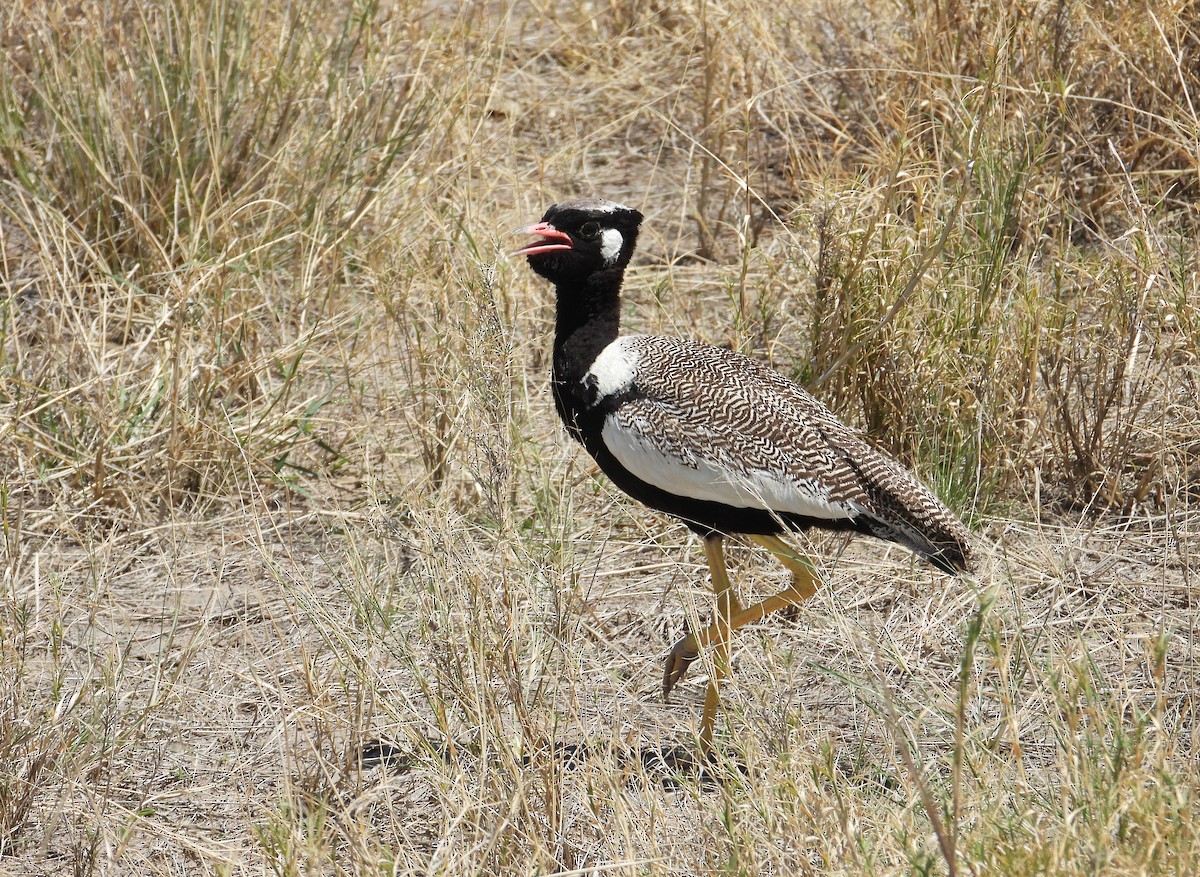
column 581, row 237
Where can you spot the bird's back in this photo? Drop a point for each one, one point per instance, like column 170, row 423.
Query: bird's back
column 703, row 422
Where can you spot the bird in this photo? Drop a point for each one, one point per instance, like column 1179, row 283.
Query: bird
column 717, row 440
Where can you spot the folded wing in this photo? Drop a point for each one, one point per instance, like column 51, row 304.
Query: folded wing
column 705, row 423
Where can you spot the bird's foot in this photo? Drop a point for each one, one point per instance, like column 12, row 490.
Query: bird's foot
column 678, row 660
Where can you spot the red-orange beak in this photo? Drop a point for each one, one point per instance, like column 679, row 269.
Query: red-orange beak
column 549, row 240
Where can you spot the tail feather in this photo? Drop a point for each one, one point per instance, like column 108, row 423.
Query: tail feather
column 903, row 510
column 946, row 547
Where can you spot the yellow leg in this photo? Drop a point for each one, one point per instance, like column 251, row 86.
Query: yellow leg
column 804, row 577
column 804, row 585
column 714, row 553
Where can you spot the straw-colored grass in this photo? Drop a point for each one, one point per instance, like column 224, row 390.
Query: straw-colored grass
column 301, row 575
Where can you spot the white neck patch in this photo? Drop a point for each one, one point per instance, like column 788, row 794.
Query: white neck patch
column 610, row 245
column 614, row 369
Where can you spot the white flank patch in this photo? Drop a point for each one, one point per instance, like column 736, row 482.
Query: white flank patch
column 614, row 369
column 610, row 245
column 707, row 479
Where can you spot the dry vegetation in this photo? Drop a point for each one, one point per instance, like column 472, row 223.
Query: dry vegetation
column 300, row 574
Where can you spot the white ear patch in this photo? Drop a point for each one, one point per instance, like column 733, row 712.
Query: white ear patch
column 610, row 245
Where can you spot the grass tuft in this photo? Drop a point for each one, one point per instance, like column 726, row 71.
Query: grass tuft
column 299, row 572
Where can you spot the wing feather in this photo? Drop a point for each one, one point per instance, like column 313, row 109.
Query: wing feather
column 706, row 423
column 686, row 456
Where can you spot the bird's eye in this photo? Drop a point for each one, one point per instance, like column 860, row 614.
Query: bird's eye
column 589, row 230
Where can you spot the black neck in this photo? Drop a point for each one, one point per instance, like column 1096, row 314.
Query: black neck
column 588, row 320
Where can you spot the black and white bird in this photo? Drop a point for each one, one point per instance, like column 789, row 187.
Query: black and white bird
column 718, row 440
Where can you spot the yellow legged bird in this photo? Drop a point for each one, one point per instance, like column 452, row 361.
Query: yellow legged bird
column 718, row 440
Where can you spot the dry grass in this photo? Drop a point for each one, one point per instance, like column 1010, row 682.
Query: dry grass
column 301, row 576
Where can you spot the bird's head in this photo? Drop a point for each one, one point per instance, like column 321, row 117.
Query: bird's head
column 578, row 238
